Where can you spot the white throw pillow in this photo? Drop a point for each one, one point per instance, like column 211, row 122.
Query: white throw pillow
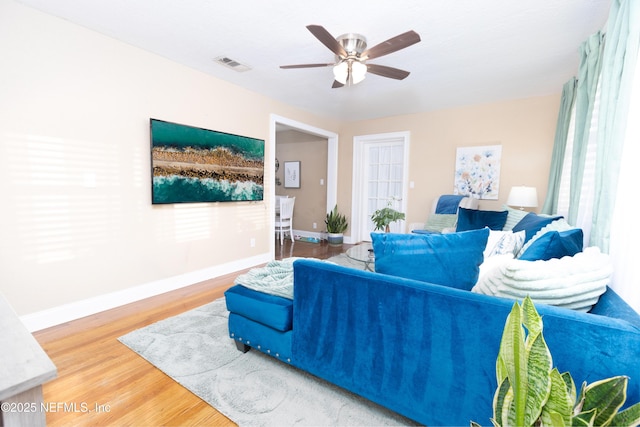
column 572, row 282
column 504, row 242
column 492, row 263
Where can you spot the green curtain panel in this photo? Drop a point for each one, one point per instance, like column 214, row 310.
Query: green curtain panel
column 588, row 74
column 559, row 146
column 618, row 69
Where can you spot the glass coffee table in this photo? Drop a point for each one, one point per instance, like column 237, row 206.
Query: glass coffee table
column 363, row 253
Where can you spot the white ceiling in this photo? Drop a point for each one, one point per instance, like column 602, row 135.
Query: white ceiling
column 471, row 51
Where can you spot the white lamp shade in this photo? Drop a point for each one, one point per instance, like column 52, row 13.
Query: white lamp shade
column 341, row 72
column 352, row 70
column 523, row 197
column 358, row 72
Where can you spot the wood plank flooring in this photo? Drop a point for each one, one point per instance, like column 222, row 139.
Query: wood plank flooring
column 102, row 382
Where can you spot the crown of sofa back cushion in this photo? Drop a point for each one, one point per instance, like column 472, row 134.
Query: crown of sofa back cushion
column 451, row 259
column 472, row 219
column 532, row 223
column 554, row 244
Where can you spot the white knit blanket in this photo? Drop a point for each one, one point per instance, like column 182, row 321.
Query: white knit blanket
column 275, row 278
column 572, row 282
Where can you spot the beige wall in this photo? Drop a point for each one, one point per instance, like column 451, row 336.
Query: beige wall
column 76, row 220
column 311, row 197
column 525, row 128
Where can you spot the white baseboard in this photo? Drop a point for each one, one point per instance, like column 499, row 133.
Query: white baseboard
column 75, row 310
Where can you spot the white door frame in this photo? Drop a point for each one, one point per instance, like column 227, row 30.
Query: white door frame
column 332, row 164
column 358, row 174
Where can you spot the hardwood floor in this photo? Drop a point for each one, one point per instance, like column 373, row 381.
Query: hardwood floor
column 102, row 382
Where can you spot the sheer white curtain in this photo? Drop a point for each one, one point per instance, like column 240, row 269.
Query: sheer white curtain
column 625, row 232
column 585, row 210
column 609, row 202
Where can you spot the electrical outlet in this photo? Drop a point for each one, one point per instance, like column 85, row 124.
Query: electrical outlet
column 315, row 225
column 252, row 242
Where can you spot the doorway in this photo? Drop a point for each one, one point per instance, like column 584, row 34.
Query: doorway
column 380, row 179
column 278, row 122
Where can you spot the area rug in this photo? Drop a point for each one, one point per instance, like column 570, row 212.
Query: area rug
column 251, row 389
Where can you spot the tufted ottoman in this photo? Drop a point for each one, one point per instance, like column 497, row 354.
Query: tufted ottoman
column 260, row 321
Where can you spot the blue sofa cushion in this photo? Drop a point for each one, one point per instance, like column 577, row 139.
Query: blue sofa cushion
column 532, row 223
column 554, row 244
column 451, row 259
column 472, row 219
column 270, row 310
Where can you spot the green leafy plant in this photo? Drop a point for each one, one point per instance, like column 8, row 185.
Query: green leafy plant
column 336, row 222
column 531, row 392
column 385, row 216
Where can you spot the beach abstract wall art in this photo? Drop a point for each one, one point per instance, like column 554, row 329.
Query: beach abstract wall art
column 478, row 171
column 191, row 164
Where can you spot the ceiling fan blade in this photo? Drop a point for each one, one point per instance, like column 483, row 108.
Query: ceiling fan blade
column 336, row 84
column 306, row 65
column 384, row 71
column 392, row 45
column 327, row 39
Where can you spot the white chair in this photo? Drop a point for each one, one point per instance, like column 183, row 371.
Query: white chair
column 284, row 220
column 277, row 208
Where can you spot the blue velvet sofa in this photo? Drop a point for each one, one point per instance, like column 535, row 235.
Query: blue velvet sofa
column 412, row 337
column 423, row 350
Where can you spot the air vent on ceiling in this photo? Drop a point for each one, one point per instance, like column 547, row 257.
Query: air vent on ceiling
column 231, row 63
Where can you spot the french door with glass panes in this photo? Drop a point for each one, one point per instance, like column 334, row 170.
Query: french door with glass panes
column 382, row 179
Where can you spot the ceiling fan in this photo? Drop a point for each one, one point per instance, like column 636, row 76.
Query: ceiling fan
column 352, row 55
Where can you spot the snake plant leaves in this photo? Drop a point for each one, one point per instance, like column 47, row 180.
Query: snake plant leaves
column 526, row 361
column 628, row 417
column 539, row 366
column 584, row 419
column 557, row 411
column 606, row 396
column 531, row 393
column 503, row 405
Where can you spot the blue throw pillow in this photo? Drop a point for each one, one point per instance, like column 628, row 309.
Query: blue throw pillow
column 473, row 219
column 532, row 223
column 554, row 244
column 451, row 259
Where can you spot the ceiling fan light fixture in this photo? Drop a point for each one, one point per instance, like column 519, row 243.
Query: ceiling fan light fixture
column 351, row 55
column 358, row 72
column 341, row 72
column 350, row 71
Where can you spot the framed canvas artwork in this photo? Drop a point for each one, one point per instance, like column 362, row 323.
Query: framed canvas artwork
column 190, row 165
column 291, row 174
column 477, row 171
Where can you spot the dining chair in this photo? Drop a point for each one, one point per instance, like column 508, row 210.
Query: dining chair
column 284, row 220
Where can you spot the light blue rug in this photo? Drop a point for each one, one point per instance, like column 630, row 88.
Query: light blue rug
column 251, row 389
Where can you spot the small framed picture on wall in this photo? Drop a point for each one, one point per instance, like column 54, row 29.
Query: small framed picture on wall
column 292, row 174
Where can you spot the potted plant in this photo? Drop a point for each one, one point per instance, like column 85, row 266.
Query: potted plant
column 385, row 216
column 531, row 392
column 336, row 226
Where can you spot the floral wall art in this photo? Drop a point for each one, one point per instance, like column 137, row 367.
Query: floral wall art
column 478, row 171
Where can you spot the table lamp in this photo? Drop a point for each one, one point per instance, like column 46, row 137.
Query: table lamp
column 523, row 197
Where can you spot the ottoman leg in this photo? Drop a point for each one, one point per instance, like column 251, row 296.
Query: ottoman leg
column 242, row 346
